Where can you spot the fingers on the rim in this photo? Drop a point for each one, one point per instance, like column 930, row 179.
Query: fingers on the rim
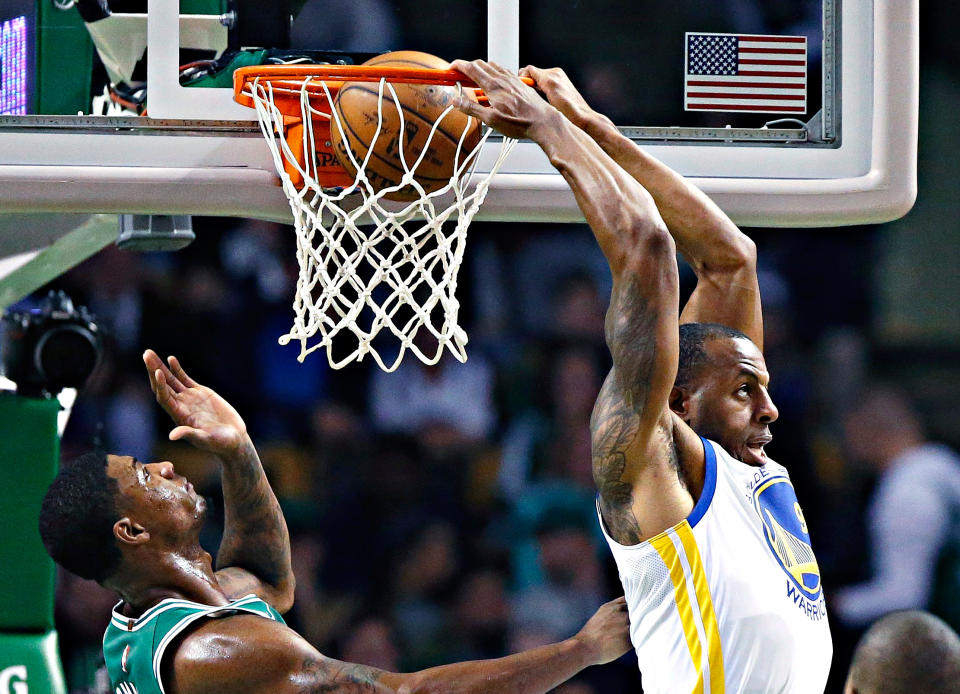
column 477, row 70
column 469, row 106
column 464, row 66
column 533, row 72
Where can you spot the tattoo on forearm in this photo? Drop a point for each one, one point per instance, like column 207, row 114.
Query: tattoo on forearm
column 630, row 328
column 320, row 676
column 255, row 534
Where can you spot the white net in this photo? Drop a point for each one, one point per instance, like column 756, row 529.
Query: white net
column 368, row 265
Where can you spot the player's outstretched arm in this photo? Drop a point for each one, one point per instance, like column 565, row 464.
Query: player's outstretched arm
column 723, row 257
column 249, row 655
column 634, row 462
column 254, row 555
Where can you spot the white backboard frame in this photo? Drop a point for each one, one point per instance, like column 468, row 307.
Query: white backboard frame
column 218, row 168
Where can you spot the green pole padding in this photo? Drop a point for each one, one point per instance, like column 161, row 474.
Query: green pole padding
column 29, row 663
column 64, row 63
column 29, row 455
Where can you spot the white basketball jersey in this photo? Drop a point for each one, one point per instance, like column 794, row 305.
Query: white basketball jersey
column 729, row 600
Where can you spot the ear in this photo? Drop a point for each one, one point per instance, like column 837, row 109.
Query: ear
column 680, row 402
column 129, row 532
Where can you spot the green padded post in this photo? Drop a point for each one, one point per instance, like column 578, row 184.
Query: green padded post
column 29, row 455
column 64, row 63
column 29, row 663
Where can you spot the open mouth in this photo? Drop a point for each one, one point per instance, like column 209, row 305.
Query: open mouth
column 754, row 449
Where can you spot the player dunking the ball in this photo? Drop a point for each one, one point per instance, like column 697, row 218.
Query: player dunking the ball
column 182, row 627
column 711, row 545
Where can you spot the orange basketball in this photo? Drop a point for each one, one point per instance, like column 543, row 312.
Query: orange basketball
column 421, row 104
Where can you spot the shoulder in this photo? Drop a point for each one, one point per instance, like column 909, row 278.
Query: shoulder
column 239, row 653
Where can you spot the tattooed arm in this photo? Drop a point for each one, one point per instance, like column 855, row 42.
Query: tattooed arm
column 723, row 257
column 245, row 654
column 634, row 460
column 254, row 554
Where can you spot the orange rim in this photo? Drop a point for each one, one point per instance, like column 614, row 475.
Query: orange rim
column 290, row 80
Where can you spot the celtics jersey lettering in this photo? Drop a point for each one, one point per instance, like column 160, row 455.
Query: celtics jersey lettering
column 133, row 649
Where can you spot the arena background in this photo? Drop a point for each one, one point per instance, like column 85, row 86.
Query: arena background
column 446, row 513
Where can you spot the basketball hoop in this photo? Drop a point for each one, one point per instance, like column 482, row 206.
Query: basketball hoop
column 367, row 264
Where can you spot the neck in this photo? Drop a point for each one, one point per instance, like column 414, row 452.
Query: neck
column 188, row 575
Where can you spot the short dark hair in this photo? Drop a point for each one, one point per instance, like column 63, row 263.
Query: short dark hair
column 77, row 517
column 907, row 652
column 693, row 338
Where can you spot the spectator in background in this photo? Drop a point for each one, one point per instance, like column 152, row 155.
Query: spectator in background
column 424, row 585
column 908, row 652
column 371, row 642
column 550, row 441
column 912, row 517
column 447, row 404
column 82, row 613
column 481, row 615
column 572, row 577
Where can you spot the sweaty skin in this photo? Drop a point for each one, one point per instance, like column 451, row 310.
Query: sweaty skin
column 647, row 462
column 158, row 537
column 638, row 443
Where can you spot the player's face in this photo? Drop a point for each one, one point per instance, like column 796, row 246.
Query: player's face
column 729, row 402
column 156, row 497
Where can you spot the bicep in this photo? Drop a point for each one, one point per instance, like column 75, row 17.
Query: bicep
column 637, row 473
column 245, row 654
column 634, row 462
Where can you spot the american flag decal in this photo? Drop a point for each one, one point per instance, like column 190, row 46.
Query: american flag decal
column 749, row 73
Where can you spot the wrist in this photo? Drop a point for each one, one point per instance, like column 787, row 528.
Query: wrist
column 546, row 130
column 598, row 126
column 585, row 651
column 242, row 449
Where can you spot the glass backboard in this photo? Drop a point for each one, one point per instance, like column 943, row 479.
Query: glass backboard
column 833, row 141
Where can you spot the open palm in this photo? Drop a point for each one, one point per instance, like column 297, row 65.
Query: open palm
column 202, row 417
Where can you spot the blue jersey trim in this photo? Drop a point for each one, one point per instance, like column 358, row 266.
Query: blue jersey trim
column 709, row 484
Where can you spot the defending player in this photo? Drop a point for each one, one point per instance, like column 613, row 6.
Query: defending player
column 183, row 628
column 713, row 552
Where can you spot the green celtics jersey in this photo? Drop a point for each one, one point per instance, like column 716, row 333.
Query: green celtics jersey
column 134, row 648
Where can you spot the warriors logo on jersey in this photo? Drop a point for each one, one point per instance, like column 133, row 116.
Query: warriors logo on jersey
column 786, row 532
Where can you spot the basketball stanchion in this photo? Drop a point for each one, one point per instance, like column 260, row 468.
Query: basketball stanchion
column 380, row 171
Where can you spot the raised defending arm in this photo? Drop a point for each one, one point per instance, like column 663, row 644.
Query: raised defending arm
column 723, row 257
column 254, row 555
column 634, row 460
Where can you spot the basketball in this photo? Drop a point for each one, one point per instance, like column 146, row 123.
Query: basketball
column 356, row 106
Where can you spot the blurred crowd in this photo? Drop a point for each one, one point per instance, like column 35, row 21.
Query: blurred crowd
column 447, row 512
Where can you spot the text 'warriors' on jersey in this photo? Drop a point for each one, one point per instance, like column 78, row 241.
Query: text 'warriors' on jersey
column 729, row 600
